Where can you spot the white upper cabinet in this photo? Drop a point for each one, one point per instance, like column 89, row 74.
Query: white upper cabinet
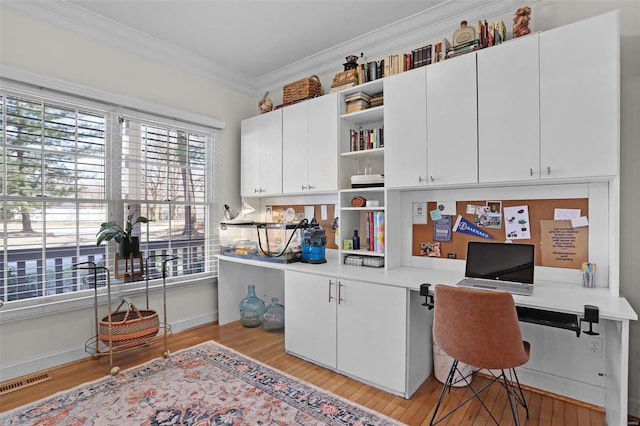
column 579, row 98
column 508, row 111
column 405, row 118
column 452, row 121
column 310, row 145
column 261, row 152
column 295, row 147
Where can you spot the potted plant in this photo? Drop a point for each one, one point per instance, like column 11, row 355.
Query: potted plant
column 127, row 244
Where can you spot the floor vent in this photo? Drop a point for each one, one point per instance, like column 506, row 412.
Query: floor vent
column 23, row 383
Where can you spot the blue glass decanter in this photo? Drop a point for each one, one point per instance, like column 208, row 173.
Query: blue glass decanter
column 273, row 318
column 251, row 308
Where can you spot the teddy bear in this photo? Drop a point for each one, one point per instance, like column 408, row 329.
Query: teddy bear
column 521, row 22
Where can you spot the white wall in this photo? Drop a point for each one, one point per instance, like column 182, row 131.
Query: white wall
column 35, row 46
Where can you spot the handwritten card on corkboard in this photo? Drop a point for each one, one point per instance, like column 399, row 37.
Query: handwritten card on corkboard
column 562, row 245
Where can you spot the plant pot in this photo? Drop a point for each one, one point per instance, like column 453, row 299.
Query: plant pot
column 126, row 248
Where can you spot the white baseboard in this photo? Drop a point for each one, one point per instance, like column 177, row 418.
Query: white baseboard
column 580, row 391
column 51, row 360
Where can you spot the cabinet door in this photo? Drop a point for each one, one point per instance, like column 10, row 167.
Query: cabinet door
column 310, row 317
column 508, row 111
column 295, row 131
column 323, row 143
column 271, row 153
column 372, row 333
column 452, row 121
column 250, row 157
column 579, row 98
column 405, row 129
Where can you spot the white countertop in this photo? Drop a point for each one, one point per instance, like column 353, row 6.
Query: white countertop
column 548, row 295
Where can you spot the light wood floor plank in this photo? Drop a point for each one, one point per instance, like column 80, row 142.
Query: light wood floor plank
column 268, row 348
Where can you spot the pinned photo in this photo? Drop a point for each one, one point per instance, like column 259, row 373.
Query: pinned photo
column 430, row 249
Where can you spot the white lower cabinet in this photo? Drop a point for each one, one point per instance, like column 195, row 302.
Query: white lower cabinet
column 356, row 328
column 310, row 317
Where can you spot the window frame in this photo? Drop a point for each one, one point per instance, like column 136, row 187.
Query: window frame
column 85, row 97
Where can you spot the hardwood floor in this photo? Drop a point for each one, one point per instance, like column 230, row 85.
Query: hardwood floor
column 269, row 348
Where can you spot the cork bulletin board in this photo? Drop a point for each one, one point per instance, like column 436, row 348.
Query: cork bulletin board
column 278, row 211
column 557, row 243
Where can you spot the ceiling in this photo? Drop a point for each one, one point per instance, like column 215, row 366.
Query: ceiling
column 250, row 43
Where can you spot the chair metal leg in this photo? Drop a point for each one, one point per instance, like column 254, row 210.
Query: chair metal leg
column 447, row 384
column 475, row 394
column 512, row 399
column 522, row 400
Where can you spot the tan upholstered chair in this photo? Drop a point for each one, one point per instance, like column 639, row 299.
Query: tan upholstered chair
column 480, row 328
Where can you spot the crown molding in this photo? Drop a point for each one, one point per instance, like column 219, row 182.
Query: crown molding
column 410, row 32
column 77, row 19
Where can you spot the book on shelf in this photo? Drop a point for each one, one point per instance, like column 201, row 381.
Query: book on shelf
column 408, row 61
column 360, row 140
column 421, row 56
column 369, row 233
column 386, row 62
column 378, row 230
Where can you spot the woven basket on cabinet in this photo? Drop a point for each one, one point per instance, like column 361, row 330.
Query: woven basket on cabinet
column 301, row 89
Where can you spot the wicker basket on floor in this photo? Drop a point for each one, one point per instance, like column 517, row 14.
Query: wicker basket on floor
column 129, row 327
column 302, row 89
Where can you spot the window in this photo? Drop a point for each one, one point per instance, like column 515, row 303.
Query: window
column 68, row 165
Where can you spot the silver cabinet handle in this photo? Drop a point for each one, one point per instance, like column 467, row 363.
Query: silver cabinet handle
column 340, row 299
column 548, row 170
column 530, row 172
column 432, row 179
column 311, row 187
column 255, row 190
column 420, row 179
column 303, row 187
column 330, row 297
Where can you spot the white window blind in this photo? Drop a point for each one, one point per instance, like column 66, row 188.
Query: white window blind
column 68, row 165
column 166, row 179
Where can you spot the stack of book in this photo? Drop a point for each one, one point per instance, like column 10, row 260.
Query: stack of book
column 463, row 48
column 357, row 102
column 344, row 80
column 376, row 100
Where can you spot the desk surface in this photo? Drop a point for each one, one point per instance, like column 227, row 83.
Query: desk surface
column 553, row 296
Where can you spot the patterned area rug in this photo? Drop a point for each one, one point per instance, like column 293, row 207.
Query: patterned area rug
column 207, row 384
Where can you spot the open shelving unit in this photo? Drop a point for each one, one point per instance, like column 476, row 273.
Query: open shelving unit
column 358, row 162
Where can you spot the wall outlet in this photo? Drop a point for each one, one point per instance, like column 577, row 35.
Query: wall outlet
column 594, row 346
